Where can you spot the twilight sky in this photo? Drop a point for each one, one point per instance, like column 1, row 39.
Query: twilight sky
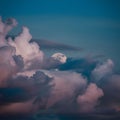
column 93, row 25
column 62, row 58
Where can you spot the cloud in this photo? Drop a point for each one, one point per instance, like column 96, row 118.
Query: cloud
column 89, row 100
column 5, row 27
column 66, row 86
column 45, row 44
column 19, row 61
column 41, row 90
column 19, row 108
column 103, row 70
column 8, row 66
column 52, row 62
column 31, row 82
column 29, row 51
column 49, row 45
column 80, row 65
column 29, row 94
column 111, row 88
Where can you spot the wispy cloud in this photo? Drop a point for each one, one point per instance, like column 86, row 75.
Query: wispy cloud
column 47, row 44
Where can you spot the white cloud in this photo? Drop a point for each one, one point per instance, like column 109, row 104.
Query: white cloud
column 29, row 51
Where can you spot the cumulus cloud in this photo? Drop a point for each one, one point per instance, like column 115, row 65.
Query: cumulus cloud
column 29, row 51
column 32, row 56
column 103, row 70
column 8, row 66
column 89, row 100
column 65, row 86
column 29, row 94
column 31, row 81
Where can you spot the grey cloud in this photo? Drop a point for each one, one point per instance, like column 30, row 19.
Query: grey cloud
column 27, row 93
column 5, row 27
column 7, row 64
column 45, row 44
column 81, row 65
column 111, row 88
column 19, row 61
column 103, row 70
column 66, row 86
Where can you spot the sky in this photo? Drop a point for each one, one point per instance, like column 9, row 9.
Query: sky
column 93, row 25
column 81, row 81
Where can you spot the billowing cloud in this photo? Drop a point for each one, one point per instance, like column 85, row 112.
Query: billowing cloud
column 66, row 86
column 8, row 66
column 89, row 100
column 31, row 82
column 29, row 51
column 103, row 70
column 29, row 94
column 32, row 56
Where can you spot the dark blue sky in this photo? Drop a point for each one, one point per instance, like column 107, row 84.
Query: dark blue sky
column 91, row 8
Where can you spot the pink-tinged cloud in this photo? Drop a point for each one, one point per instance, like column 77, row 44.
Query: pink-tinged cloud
column 65, row 86
column 90, row 99
column 29, row 51
column 31, row 81
column 20, row 108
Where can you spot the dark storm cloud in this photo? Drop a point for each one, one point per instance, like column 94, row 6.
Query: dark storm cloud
column 31, row 82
